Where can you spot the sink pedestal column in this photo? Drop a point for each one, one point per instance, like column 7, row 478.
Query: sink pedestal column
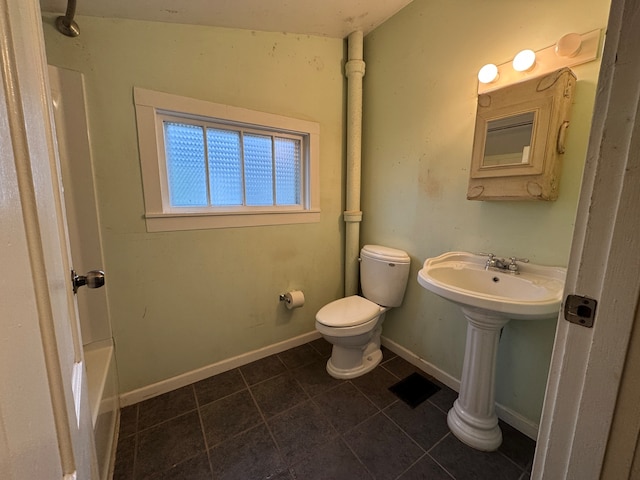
column 473, row 417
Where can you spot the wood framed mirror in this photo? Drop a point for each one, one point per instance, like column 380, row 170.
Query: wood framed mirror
column 519, row 137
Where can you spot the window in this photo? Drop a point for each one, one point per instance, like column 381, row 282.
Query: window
column 217, row 165
column 206, row 165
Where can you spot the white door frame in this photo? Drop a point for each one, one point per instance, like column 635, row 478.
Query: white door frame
column 587, row 363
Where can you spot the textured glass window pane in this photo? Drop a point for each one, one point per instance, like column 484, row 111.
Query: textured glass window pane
column 287, row 153
column 258, row 169
column 225, row 167
column 186, row 169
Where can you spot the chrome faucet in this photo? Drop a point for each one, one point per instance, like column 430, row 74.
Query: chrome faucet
column 500, row 264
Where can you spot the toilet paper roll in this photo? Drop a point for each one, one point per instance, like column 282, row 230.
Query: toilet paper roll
column 294, row 299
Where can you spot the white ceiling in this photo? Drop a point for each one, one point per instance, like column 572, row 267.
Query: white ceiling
column 330, row 18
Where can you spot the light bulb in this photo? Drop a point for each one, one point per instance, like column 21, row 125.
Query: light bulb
column 569, row 45
column 524, row 61
column 488, row 73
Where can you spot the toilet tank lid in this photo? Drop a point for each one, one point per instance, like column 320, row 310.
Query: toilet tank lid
column 348, row 312
column 385, row 253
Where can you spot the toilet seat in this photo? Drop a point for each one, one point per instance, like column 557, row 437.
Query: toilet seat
column 354, row 331
column 348, row 312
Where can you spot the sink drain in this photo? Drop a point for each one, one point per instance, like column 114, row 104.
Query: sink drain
column 496, row 279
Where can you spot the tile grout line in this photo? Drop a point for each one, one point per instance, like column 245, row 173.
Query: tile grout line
column 402, row 429
column 440, row 465
column 304, row 364
column 512, row 461
column 446, row 413
column 167, row 420
column 135, row 445
column 266, row 424
column 407, row 434
column 387, row 370
column 344, row 440
column 367, row 396
column 312, row 400
column 425, row 450
column 341, row 434
column 425, row 454
column 318, row 351
column 422, row 457
column 246, row 386
column 204, row 435
column 434, row 458
column 439, row 441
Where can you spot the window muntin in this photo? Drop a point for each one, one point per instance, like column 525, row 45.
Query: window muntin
column 220, row 199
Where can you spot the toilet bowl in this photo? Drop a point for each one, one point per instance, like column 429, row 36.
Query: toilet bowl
column 353, row 324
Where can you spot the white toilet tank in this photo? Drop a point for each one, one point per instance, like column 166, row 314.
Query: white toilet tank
column 383, row 274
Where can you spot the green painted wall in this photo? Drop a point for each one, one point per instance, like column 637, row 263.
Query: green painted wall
column 420, row 101
column 183, row 300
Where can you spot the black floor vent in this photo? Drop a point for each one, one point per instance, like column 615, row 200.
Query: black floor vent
column 414, row 389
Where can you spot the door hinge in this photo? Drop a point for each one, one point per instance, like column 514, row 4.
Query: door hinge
column 580, row 310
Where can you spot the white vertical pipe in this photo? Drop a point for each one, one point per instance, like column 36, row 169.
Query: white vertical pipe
column 354, row 70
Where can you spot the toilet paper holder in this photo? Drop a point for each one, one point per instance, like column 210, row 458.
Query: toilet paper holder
column 287, row 297
column 293, row 299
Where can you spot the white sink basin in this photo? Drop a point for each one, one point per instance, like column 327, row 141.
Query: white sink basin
column 489, row 299
column 535, row 293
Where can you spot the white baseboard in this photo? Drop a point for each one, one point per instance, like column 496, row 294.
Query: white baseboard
column 514, row 419
column 428, row 368
column 517, row 421
column 155, row 389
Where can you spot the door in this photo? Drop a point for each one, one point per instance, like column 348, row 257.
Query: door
column 72, row 134
column 587, row 363
column 45, row 424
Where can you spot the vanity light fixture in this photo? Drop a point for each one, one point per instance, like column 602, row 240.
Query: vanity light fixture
column 524, row 61
column 571, row 49
column 488, row 73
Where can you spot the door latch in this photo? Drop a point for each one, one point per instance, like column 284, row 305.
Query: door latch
column 580, row 310
column 93, row 279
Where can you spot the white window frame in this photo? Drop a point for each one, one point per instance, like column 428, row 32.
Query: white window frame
column 152, row 107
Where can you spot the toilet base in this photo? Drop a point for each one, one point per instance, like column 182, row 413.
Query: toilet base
column 369, row 362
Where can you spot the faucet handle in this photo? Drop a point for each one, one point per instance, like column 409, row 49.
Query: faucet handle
column 513, row 266
column 491, row 261
column 516, row 259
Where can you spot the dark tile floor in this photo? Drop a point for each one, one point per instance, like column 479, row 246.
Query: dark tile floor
column 284, row 418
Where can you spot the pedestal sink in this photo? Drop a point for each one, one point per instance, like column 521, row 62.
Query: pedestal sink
column 489, row 300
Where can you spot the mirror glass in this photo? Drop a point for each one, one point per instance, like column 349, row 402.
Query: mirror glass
column 508, row 140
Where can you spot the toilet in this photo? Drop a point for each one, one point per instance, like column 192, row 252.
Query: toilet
column 353, row 324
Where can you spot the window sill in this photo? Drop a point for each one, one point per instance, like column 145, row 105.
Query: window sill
column 166, row 222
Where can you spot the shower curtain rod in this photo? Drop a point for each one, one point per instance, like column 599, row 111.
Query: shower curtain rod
column 66, row 24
